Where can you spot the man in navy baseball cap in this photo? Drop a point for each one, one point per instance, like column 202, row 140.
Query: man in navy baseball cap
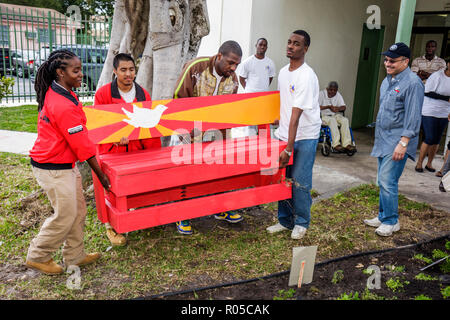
column 398, row 50
column 396, row 58
column 396, row 133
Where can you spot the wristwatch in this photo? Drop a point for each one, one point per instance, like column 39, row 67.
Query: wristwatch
column 287, row 152
column 404, row 144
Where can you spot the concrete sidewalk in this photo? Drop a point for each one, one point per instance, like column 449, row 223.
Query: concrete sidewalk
column 332, row 174
column 16, row 142
column 340, row 172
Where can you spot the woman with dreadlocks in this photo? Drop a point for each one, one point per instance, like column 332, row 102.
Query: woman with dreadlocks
column 62, row 140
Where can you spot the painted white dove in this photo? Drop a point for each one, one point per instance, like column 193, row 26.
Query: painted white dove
column 143, row 117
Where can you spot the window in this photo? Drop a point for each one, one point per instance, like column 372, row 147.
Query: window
column 4, row 35
column 30, row 35
column 43, row 36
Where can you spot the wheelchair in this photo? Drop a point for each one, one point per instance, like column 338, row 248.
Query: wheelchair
column 325, row 141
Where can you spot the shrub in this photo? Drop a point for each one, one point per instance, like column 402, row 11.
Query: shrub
column 5, row 86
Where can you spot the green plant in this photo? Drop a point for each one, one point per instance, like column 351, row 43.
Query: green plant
column 6, row 85
column 439, row 254
column 368, row 295
column 445, row 266
column 284, row 295
column 368, row 271
column 349, row 296
column 422, row 297
column 447, row 245
column 425, row 277
column 338, row 276
column 422, row 258
column 396, row 284
column 446, row 292
column 399, row 269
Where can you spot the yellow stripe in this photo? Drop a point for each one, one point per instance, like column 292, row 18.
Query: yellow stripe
column 116, row 136
column 185, row 73
column 165, row 131
column 243, row 112
column 99, row 118
column 144, row 133
column 158, row 102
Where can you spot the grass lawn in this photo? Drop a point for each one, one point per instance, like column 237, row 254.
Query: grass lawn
column 159, row 259
column 22, row 118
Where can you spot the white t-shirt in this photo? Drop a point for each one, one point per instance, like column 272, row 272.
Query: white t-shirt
column 299, row 89
column 257, row 72
column 439, row 83
column 324, row 100
column 128, row 96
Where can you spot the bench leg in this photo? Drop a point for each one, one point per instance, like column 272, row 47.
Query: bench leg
column 100, row 199
column 121, row 204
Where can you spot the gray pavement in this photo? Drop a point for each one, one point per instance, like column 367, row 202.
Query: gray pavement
column 332, row 174
column 16, row 142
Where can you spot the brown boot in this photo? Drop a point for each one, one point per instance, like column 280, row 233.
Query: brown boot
column 115, row 238
column 50, row 267
column 339, row 148
column 90, row 258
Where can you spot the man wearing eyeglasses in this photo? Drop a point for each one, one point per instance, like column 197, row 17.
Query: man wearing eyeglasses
column 396, row 133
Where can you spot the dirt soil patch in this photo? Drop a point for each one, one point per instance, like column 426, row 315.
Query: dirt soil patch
column 400, row 278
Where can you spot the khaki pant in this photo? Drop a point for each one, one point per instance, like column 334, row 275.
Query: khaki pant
column 66, row 225
column 338, row 135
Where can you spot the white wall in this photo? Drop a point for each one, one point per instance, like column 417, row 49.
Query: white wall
column 229, row 20
column 211, row 43
column 335, row 28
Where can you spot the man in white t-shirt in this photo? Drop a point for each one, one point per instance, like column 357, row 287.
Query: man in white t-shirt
column 331, row 105
column 299, row 126
column 257, row 71
column 255, row 75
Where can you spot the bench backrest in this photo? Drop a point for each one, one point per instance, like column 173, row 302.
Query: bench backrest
column 141, row 120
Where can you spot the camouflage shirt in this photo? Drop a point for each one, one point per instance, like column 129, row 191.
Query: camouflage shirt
column 197, row 80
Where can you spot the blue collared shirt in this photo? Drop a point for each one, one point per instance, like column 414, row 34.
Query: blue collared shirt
column 401, row 100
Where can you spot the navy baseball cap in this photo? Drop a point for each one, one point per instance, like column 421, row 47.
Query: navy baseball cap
column 398, row 50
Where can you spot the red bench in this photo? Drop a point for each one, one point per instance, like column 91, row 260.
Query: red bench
column 161, row 186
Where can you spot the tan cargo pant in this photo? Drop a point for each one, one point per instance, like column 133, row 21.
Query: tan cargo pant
column 338, row 135
column 66, row 225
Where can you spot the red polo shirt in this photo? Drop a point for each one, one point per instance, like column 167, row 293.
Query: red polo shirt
column 62, row 135
column 109, row 94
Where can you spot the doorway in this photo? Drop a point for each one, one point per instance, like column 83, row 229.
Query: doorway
column 367, row 78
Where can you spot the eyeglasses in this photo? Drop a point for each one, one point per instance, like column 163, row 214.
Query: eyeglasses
column 392, row 61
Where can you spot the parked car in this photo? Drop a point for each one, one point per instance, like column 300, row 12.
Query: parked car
column 92, row 59
column 5, row 61
column 23, row 62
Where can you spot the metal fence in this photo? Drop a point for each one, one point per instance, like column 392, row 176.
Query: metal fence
column 28, row 36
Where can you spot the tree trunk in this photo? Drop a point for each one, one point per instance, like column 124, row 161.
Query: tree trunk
column 167, row 33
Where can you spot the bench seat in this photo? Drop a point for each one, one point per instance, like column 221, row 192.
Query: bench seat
column 160, row 186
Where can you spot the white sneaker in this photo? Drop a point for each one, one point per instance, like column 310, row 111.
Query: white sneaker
column 375, row 222
column 387, row 230
column 276, row 228
column 298, row 232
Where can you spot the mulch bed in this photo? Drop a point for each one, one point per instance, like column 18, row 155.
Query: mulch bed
column 353, row 280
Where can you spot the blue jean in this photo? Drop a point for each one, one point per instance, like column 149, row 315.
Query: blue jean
column 297, row 210
column 389, row 172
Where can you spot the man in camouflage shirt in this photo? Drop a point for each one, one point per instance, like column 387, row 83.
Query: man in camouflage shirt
column 210, row 76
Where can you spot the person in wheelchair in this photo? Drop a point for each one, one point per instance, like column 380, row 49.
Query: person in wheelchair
column 332, row 106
